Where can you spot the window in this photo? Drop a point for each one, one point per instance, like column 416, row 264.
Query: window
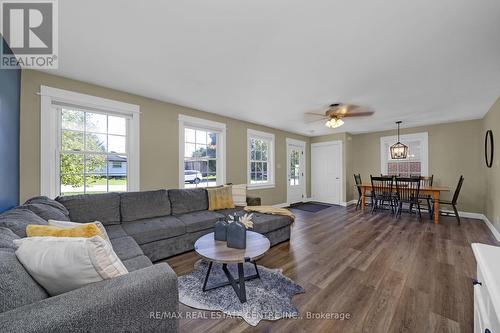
column 415, row 164
column 95, row 143
column 260, row 159
column 201, row 152
column 90, row 142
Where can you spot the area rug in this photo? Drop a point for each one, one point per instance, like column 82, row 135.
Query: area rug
column 268, row 298
column 311, row 207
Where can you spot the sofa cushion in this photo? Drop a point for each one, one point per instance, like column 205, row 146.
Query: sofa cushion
column 115, row 231
column 264, row 223
column 143, row 205
column 188, row 200
column 7, row 237
column 103, row 207
column 47, row 209
column 137, row 263
column 157, row 228
column 17, row 287
column 49, row 202
column 17, row 220
column 197, row 221
column 126, row 248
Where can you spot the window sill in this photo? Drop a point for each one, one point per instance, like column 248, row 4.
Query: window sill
column 259, row 186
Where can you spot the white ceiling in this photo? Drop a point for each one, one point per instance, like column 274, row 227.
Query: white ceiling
column 268, row 62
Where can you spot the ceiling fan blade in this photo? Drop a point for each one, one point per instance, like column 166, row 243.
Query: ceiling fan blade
column 359, row 114
column 316, row 120
column 315, row 114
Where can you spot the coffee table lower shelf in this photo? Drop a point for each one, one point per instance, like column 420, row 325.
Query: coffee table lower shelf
column 238, row 285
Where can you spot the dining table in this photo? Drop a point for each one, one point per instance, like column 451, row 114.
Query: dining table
column 433, row 191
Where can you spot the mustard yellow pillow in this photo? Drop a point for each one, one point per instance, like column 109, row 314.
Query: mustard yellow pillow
column 85, row 230
column 220, row 198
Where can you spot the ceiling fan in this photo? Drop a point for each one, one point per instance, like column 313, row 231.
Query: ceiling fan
column 335, row 112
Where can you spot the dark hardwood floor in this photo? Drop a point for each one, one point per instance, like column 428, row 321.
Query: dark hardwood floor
column 389, row 275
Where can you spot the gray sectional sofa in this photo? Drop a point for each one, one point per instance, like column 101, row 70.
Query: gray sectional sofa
column 144, row 227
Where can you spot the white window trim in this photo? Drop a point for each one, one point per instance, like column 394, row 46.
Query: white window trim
column 49, row 140
column 271, row 165
column 424, row 150
column 203, row 124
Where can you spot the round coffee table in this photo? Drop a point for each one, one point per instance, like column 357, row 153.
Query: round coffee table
column 217, row 251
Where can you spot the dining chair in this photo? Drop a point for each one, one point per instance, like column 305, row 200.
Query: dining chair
column 426, row 182
column 454, row 200
column 382, row 192
column 407, row 192
column 357, row 179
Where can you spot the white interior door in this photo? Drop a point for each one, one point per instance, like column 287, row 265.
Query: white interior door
column 326, row 172
column 296, row 180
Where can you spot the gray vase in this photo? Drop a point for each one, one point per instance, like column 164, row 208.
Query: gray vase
column 220, row 230
column 236, row 234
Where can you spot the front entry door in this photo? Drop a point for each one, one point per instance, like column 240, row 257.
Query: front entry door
column 296, row 181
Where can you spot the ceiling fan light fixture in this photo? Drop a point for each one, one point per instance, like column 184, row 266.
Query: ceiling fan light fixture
column 334, row 123
column 398, row 150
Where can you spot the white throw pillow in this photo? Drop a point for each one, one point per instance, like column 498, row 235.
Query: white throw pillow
column 68, row 224
column 61, row 264
column 240, row 195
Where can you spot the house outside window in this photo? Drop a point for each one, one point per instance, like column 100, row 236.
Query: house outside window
column 260, row 167
column 416, row 164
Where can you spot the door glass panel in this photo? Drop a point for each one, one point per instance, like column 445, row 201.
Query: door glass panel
column 294, row 167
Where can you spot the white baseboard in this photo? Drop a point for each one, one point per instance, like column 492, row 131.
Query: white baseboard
column 490, row 225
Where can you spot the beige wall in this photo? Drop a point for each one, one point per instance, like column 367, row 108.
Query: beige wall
column 454, row 149
column 159, row 139
column 492, row 175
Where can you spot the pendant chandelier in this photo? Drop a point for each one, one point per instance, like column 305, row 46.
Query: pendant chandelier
column 399, row 151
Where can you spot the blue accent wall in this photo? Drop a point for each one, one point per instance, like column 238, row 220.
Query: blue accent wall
column 10, row 86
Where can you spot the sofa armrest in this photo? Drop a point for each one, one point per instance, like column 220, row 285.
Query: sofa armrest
column 145, row 300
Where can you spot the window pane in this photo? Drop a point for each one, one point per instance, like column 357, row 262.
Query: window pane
column 201, row 150
column 117, row 144
column 264, row 155
column 117, row 183
column 252, row 155
column 189, row 149
column 96, row 184
column 73, row 120
column 117, row 166
column 117, row 125
column 212, row 166
column 212, row 138
column 71, row 184
column 96, row 122
column 71, row 140
column 211, row 151
column 95, row 142
column 96, row 164
column 189, row 135
column 201, row 137
column 252, row 166
column 258, row 155
column 71, row 164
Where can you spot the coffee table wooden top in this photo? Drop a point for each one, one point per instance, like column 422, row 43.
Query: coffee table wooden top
column 217, row 251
